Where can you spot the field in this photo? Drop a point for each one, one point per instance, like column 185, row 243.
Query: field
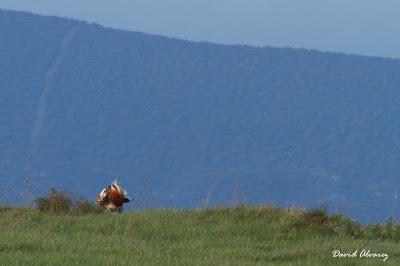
column 258, row 235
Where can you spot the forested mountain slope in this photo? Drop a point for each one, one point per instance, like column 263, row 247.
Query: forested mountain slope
column 81, row 104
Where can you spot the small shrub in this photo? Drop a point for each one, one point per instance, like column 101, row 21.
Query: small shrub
column 63, row 202
column 318, row 220
column 56, row 202
column 388, row 230
column 344, row 226
column 83, row 206
column 315, row 218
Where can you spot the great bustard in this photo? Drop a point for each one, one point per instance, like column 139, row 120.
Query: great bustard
column 112, row 198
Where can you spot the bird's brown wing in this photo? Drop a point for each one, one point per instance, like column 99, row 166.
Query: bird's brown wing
column 116, row 197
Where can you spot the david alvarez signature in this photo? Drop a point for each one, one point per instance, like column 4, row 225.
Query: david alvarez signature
column 365, row 253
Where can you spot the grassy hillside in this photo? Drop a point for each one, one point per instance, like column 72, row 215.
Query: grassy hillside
column 218, row 236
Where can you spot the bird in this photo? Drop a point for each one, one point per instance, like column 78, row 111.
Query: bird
column 112, row 198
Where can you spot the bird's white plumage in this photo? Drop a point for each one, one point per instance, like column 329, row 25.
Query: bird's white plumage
column 103, row 193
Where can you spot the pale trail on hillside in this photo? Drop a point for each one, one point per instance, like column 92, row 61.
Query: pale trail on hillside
column 42, row 102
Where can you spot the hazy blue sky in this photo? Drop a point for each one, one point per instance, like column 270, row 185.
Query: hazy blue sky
column 352, row 26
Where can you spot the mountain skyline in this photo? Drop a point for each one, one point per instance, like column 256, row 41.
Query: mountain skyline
column 356, row 27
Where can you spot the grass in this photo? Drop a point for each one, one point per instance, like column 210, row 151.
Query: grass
column 258, row 235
